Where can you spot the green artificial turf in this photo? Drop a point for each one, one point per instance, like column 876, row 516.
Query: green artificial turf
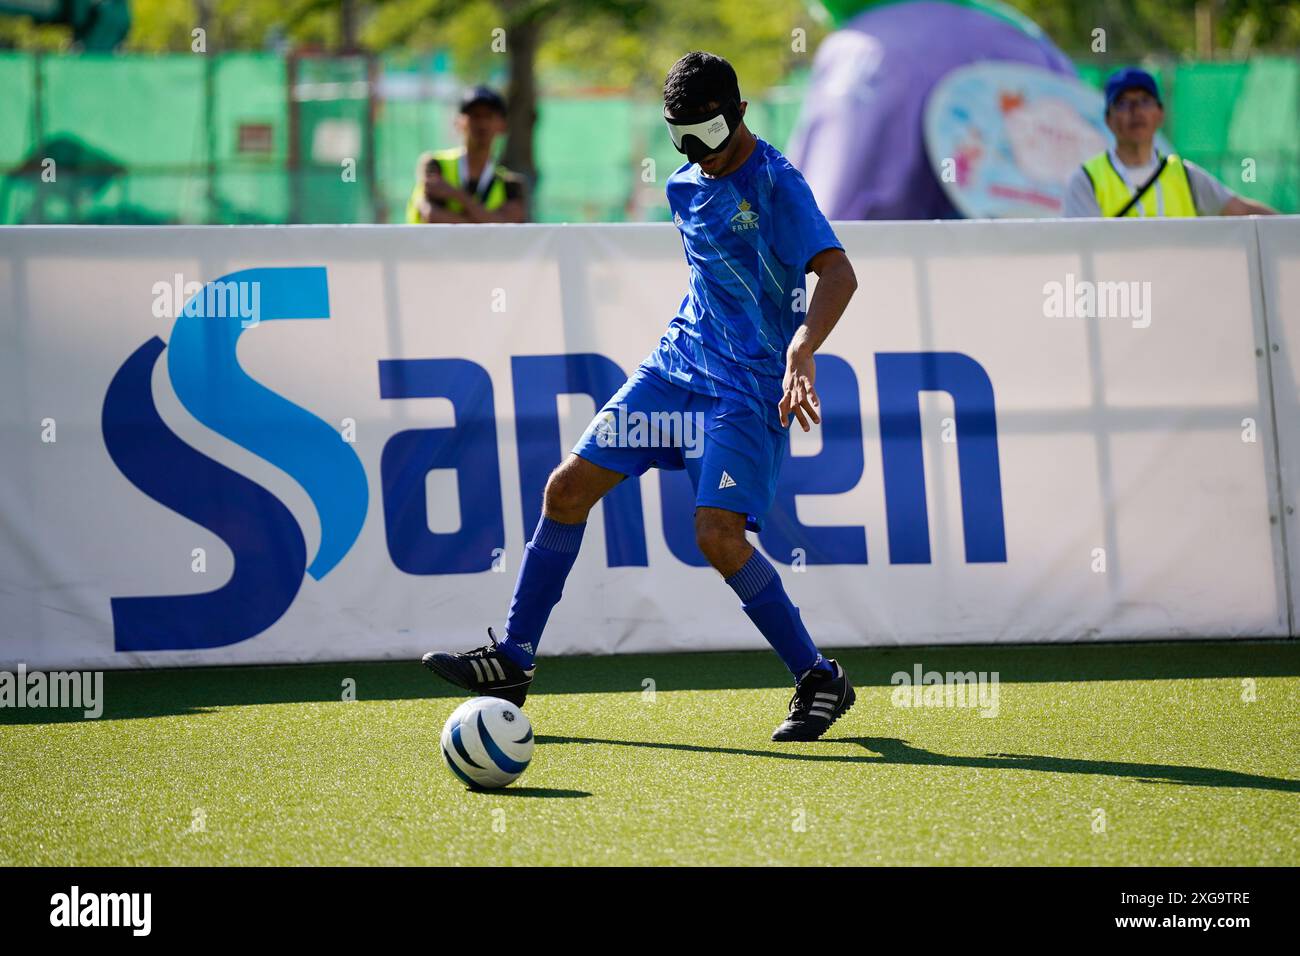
column 269, row 766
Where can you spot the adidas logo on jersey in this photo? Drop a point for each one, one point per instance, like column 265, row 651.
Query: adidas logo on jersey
column 726, row 482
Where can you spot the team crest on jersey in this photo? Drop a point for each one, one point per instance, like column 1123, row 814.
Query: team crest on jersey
column 745, row 219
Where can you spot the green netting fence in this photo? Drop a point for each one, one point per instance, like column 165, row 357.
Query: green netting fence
column 264, row 138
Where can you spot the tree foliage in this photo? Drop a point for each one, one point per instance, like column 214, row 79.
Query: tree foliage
column 628, row 43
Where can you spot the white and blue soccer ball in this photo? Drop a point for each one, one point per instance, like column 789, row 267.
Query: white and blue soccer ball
column 487, row 742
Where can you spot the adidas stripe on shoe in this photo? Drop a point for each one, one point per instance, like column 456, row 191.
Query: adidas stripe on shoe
column 484, row 671
column 820, row 699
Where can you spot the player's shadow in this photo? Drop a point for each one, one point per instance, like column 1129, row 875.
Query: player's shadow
column 131, row 694
column 890, row 750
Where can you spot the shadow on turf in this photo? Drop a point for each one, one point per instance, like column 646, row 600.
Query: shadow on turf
column 157, row 693
column 890, row 750
column 537, row 792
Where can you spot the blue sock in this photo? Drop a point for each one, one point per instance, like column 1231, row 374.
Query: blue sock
column 768, row 606
column 548, row 559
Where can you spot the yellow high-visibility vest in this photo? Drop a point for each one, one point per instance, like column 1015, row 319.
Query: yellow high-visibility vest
column 449, row 165
column 1113, row 193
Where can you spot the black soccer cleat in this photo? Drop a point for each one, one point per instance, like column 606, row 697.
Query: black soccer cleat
column 819, row 700
column 485, row 671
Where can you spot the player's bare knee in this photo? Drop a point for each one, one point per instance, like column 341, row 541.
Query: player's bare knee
column 561, row 494
column 565, row 498
column 721, row 540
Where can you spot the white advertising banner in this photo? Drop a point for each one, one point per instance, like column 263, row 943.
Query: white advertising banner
column 276, row 444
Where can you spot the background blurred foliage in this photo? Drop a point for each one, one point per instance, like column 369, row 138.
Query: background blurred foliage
column 628, row 44
column 589, row 43
column 1237, row 28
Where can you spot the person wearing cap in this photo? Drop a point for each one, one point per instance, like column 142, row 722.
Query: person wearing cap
column 465, row 184
column 1132, row 178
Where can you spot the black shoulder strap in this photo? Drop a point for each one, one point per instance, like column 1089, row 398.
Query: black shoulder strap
column 1142, row 190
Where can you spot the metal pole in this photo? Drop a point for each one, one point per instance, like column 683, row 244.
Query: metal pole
column 38, row 134
column 291, row 82
column 209, row 123
column 379, row 211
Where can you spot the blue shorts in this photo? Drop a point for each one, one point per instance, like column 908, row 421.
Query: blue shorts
column 729, row 452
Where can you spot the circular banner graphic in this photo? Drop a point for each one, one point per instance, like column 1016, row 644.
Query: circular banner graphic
column 1003, row 138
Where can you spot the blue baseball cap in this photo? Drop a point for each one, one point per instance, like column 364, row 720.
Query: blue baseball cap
column 482, row 94
column 1130, row 78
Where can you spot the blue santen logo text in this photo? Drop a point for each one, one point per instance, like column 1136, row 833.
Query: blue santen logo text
column 267, row 543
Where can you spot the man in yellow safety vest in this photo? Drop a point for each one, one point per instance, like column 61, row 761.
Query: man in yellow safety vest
column 1133, row 178
column 464, row 184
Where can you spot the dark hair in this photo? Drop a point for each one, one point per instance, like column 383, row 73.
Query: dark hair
column 696, row 80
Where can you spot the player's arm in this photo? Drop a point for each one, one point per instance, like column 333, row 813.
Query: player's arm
column 836, row 284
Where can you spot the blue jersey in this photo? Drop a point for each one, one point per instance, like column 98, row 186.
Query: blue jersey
column 748, row 237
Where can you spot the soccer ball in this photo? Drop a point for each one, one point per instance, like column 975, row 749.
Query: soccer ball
column 487, row 742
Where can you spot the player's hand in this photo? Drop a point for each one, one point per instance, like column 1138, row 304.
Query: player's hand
column 800, row 398
column 438, row 189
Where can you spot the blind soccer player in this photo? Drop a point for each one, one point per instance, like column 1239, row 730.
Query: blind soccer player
column 738, row 358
